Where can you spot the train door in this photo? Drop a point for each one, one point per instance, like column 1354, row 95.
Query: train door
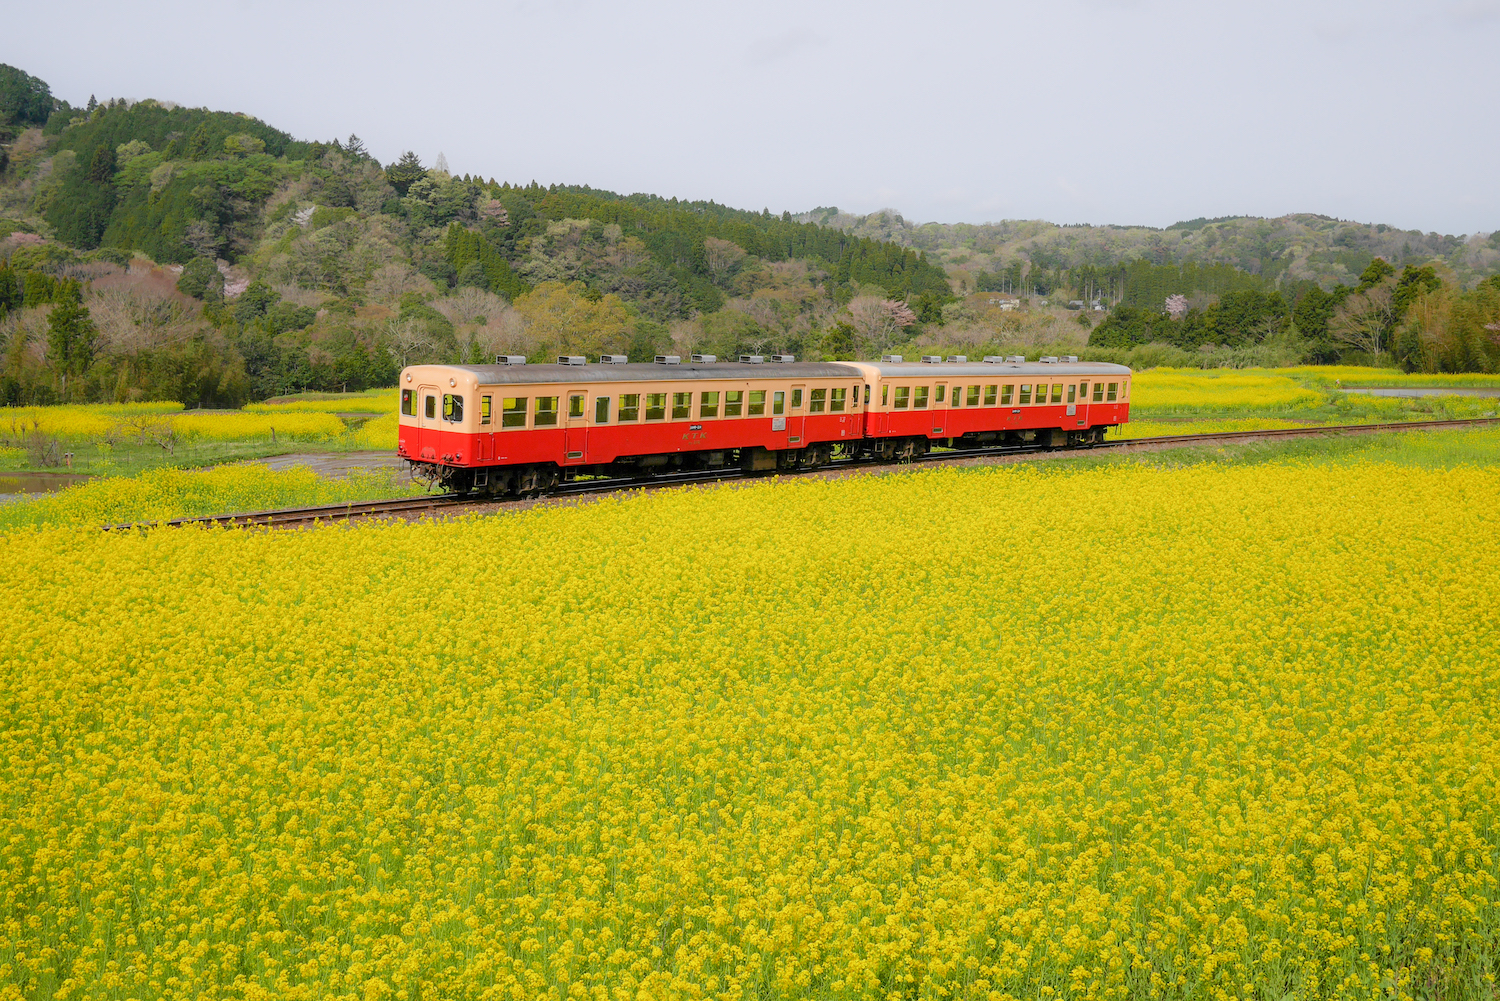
column 939, row 411
column 796, row 413
column 429, row 421
column 575, row 432
column 1080, row 412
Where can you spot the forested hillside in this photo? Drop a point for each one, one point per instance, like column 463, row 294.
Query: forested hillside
column 151, row 251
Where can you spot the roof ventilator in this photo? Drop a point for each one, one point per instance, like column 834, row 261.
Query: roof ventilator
column 510, row 359
column 891, row 359
column 1071, row 359
column 932, row 359
column 1049, row 359
column 705, row 359
column 571, row 360
column 957, row 359
column 1016, row 359
column 783, row 359
column 613, row 359
column 669, row 359
column 753, row 359
column 993, row 359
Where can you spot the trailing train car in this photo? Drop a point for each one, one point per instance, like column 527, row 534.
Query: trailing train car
column 516, row 428
column 512, row 428
column 957, row 403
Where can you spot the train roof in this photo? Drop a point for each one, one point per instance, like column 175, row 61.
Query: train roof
column 940, row 370
column 498, row 375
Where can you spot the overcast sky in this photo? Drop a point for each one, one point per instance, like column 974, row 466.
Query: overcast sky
column 1102, row 111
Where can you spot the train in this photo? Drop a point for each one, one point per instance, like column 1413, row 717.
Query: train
column 515, row 429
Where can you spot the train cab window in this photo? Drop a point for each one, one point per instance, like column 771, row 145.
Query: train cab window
column 885, row 395
column 656, row 406
column 484, row 410
column 546, row 411
column 1071, row 390
column 430, row 405
column 757, row 403
column 682, row 406
column 1112, row 387
column 575, row 406
column 921, row 401
column 778, row 404
column 1025, row 395
column 1057, row 392
column 867, row 396
column 708, row 404
column 989, row 396
column 836, row 398
column 796, row 399
column 903, row 397
column 601, row 410
column 1098, row 392
column 409, row 402
column 734, row 402
column 630, row 407
column 817, row 400
column 513, row 412
column 1124, row 388
column 974, row 396
column 453, row 407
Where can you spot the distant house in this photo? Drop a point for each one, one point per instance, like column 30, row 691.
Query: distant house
column 1000, row 299
column 1075, row 303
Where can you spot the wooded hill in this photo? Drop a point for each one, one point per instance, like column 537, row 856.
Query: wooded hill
column 218, row 258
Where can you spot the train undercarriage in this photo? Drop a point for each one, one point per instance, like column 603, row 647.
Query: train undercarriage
column 537, row 479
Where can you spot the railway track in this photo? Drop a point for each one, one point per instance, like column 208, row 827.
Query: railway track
column 288, row 517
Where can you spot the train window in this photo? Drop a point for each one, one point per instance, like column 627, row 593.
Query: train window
column 942, row 388
column 682, row 406
column 796, row 399
column 1025, row 394
column 1124, row 388
column 656, row 406
column 958, row 396
column 903, row 397
column 974, row 396
column 1071, row 390
column 575, row 406
column 778, row 404
column 921, row 400
column 1098, row 392
column 816, row 401
column 885, row 395
column 708, row 405
column 1083, row 392
column 1112, row 387
column 546, row 411
column 601, row 410
column 1057, row 392
column 836, row 398
column 867, row 396
column 453, row 407
column 989, row 396
column 513, row 412
column 630, row 407
column 409, row 402
column 757, row 402
column 734, row 402
column 431, row 407
column 484, row 410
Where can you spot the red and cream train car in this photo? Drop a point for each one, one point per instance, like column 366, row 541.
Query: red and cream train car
column 522, row 428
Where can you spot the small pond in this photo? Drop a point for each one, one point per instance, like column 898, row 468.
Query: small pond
column 35, row 481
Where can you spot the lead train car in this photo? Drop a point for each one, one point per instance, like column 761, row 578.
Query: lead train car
column 519, row 429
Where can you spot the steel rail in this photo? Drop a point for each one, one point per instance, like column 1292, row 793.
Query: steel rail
column 580, row 488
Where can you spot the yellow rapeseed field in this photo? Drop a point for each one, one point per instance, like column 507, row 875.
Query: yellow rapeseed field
column 1206, row 732
column 102, row 422
column 382, row 401
column 1216, row 389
